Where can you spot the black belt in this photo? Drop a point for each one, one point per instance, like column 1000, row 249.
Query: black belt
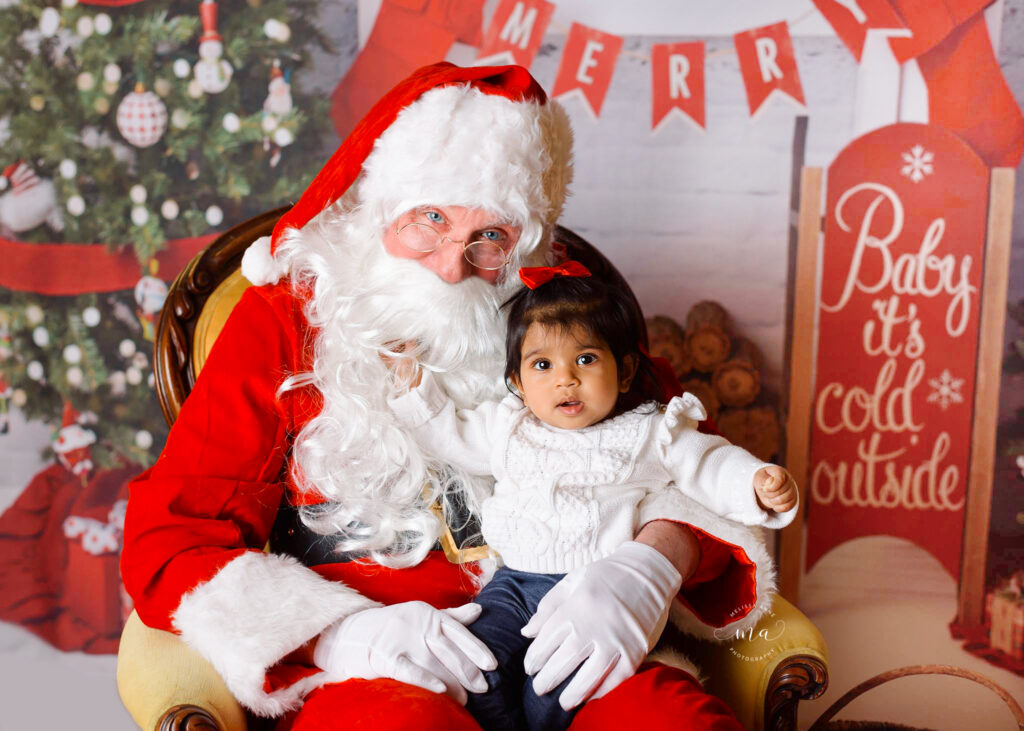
column 289, row 535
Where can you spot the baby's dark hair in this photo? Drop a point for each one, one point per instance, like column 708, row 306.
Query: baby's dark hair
column 602, row 310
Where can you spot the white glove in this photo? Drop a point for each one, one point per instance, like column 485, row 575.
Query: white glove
column 411, row 642
column 606, row 615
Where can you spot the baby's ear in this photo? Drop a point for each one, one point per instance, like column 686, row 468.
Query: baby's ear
column 628, row 371
column 519, row 387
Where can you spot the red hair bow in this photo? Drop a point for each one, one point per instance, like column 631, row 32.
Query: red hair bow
column 534, row 277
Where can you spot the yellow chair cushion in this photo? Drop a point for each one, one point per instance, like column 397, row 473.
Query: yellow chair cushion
column 214, row 314
column 157, row 671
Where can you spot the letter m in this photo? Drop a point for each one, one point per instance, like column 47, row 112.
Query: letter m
column 518, row 27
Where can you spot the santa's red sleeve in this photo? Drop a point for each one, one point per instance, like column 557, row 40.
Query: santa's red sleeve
column 199, row 518
column 735, row 579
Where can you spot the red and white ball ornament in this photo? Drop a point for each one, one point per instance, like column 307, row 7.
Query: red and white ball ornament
column 142, row 117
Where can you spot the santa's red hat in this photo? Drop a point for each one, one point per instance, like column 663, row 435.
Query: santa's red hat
column 482, row 137
column 72, row 434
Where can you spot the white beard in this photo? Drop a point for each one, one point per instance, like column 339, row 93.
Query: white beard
column 377, row 481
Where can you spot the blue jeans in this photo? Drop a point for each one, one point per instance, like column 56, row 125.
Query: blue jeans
column 510, row 704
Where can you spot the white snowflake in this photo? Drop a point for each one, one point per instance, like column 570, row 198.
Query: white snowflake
column 919, row 163
column 947, row 389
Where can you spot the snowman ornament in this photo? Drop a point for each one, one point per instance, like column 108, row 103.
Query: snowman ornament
column 27, row 200
column 212, row 72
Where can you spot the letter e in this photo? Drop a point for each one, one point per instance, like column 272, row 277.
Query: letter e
column 588, row 60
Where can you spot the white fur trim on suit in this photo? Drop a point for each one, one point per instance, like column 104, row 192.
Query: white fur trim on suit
column 674, row 505
column 456, row 145
column 675, row 659
column 258, row 608
column 259, row 265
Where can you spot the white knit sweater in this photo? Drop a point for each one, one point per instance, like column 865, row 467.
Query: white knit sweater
column 564, row 498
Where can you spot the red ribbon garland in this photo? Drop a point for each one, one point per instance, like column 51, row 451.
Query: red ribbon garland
column 534, row 277
column 73, row 269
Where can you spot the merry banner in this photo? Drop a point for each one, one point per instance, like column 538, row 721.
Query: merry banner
column 898, row 315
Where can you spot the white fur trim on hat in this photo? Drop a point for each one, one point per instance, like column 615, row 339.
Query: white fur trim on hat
column 456, row 145
column 72, row 437
column 259, row 266
column 258, row 608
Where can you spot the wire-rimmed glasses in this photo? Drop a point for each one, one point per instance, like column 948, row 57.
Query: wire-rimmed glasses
column 482, row 254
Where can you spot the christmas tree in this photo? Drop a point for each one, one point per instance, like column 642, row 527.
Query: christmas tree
column 134, row 125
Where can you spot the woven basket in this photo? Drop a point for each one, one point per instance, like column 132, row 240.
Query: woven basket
column 824, row 722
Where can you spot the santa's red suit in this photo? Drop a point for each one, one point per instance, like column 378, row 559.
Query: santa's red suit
column 199, row 518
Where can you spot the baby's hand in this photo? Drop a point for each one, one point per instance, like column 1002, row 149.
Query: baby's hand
column 775, row 489
column 404, row 367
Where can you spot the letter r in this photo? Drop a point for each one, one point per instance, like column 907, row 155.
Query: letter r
column 678, row 70
column 767, row 50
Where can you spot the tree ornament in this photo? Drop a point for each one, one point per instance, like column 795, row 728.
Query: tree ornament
column 143, row 439
column 34, row 370
column 133, row 375
column 194, row 90
column 104, row 24
column 180, row 118
column 150, row 293
column 214, row 216
column 126, row 348
column 85, row 81
column 73, row 354
column 277, row 31
column 101, row 105
column 68, row 169
column 169, row 209
column 212, row 72
column 112, row 72
column 85, row 26
column 231, row 122
column 36, row 103
column 75, row 376
column 73, row 441
column 142, row 117
column 41, row 336
column 68, row 3
column 34, row 314
column 91, row 316
column 76, row 205
column 117, row 382
column 31, row 201
column 162, row 87
column 19, row 398
column 283, row 137
column 137, row 193
column 139, row 215
column 140, row 361
column 49, row 22
column 181, row 68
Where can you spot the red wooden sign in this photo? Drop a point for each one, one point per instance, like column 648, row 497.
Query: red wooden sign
column 901, row 271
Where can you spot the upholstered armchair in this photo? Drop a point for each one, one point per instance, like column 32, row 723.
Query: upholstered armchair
column 167, row 686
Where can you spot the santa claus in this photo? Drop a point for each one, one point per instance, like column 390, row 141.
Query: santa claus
column 287, row 436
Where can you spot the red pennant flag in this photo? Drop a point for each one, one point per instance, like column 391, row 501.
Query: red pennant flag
column 768, row 65
column 852, row 19
column 678, row 82
column 515, row 33
column 587, row 65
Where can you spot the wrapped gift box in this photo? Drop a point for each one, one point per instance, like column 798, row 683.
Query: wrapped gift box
column 1005, row 607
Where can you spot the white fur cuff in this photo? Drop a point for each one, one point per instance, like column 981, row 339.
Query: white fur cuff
column 258, row 608
column 259, row 265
